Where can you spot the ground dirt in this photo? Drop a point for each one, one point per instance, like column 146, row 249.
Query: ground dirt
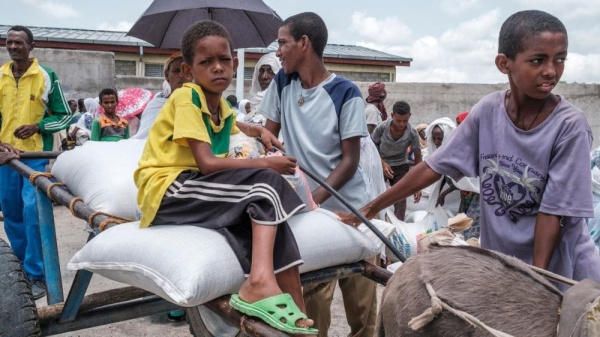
column 71, row 236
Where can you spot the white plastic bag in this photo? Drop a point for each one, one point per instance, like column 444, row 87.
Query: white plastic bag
column 407, row 234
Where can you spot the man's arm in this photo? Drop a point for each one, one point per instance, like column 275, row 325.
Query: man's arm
column 371, row 128
column 59, row 117
column 342, row 173
column 273, row 127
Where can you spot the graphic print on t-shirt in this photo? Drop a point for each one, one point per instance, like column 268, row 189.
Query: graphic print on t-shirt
column 510, row 185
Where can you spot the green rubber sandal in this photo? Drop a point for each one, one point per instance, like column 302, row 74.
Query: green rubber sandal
column 279, row 311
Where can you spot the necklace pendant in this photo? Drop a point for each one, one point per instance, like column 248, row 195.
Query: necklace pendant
column 300, row 101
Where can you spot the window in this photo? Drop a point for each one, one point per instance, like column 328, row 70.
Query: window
column 124, row 67
column 248, row 72
column 153, row 70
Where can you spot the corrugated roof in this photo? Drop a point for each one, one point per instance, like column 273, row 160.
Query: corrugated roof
column 80, row 36
column 118, row 38
column 345, row 52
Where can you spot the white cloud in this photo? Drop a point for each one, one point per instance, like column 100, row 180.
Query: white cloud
column 53, row 9
column 582, row 68
column 566, row 10
column 388, row 30
column 588, row 39
column 468, row 33
column 122, row 26
column 456, row 7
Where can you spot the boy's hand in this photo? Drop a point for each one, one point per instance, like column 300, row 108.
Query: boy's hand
column 282, row 164
column 441, row 200
column 387, row 170
column 351, row 218
column 417, row 197
column 269, row 140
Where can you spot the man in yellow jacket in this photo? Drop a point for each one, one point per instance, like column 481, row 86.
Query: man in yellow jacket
column 32, row 107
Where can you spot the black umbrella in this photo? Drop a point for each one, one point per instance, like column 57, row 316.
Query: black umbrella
column 251, row 23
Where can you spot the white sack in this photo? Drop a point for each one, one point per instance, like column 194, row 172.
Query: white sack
column 190, row 265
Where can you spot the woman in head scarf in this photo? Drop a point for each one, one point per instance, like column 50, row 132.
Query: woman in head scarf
column 468, row 198
column 83, row 129
column 375, row 111
column 174, row 79
column 422, row 138
column 264, row 72
column 243, row 109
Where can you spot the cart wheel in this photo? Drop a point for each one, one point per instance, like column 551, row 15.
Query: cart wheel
column 18, row 313
column 205, row 323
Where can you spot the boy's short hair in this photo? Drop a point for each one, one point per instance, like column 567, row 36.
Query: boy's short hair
column 401, row 108
column 106, row 92
column 19, row 28
column 232, row 99
column 311, row 25
column 523, row 25
column 198, row 31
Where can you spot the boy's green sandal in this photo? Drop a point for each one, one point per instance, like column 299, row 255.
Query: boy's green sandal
column 278, row 311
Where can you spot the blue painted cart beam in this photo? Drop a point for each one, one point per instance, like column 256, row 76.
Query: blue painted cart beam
column 49, row 247
column 78, row 288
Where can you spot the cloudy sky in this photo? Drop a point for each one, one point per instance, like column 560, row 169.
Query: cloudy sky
column 448, row 40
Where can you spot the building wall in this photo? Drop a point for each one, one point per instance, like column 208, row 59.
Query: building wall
column 430, row 101
column 353, row 72
column 84, row 74
column 81, row 73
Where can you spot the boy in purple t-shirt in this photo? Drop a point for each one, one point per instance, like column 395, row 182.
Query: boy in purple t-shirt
column 530, row 149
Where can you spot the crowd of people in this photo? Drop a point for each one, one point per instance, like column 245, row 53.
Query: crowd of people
column 526, row 202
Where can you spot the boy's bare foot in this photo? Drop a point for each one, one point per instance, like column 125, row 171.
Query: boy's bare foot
column 254, row 291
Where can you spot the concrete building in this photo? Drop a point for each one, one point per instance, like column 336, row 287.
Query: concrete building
column 134, row 57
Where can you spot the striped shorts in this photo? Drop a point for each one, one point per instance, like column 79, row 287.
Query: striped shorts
column 228, row 201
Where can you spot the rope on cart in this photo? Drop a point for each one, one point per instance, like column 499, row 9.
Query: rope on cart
column 34, row 176
column 72, row 205
column 49, row 189
column 111, row 219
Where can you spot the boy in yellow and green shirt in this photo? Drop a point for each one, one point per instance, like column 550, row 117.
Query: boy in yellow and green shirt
column 184, row 178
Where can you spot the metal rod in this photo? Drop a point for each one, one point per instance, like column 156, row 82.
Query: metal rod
column 376, row 273
column 331, row 273
column 40, row 154
column 362, row 218
column 119, row 312
column 248, row 325
column 90, row 302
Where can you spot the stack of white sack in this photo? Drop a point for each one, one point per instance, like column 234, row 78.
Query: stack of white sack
column 178, row 262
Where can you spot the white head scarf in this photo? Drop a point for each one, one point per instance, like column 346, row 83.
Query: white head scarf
column 242, row 106
column 92, row 107
column 465, row 184
column 166, row 88
column 446, row 124
column 256, row 95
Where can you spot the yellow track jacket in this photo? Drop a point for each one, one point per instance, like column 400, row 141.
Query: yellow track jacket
column 38, row 98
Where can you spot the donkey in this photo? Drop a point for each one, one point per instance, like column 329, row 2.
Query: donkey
column 498, row 290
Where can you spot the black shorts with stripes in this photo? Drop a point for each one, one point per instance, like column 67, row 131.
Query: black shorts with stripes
column 228, row 201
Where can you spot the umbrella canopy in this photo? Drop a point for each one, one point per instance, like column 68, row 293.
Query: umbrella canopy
column 251, row 23
column 132, row 102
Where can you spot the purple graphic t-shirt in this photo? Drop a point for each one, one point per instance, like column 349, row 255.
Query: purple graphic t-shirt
column 545, row 169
